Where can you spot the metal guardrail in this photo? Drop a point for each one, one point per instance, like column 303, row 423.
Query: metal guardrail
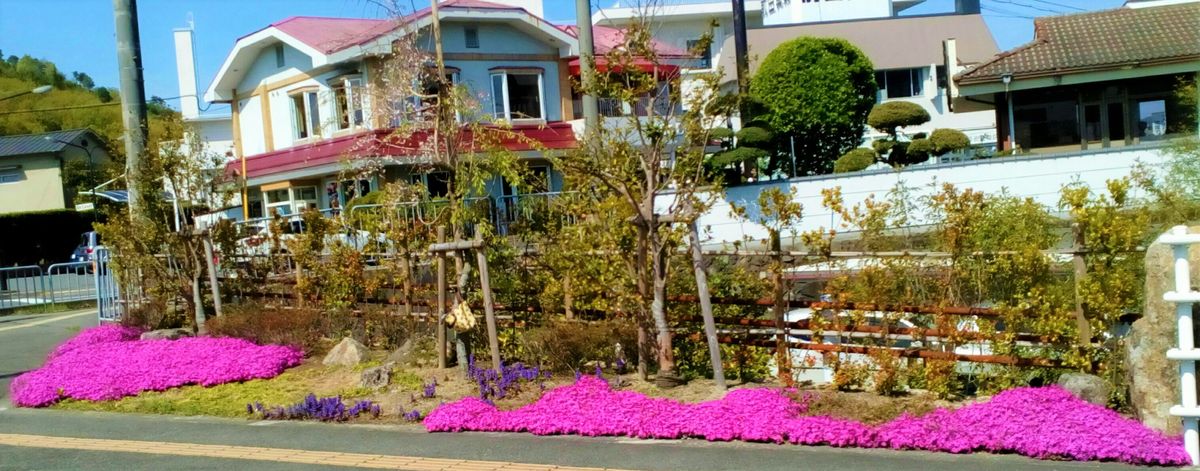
column 29, row 286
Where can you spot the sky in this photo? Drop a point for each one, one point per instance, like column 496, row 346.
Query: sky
column 78, row 35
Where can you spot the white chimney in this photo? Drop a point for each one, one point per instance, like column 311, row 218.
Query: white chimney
column 950, row 58
column 185, row 67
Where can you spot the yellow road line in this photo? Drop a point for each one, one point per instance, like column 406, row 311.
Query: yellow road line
column 285, row 455
column 47, row 321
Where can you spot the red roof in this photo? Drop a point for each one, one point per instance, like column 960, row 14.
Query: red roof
column 330, row 35
column 605, row 39
column 382, row 143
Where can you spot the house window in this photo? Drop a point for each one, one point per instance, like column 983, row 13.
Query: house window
column 900, row 83
column 279, row 56
column 278, row 202
column 348, row 94
column 306, row 115
column 705, row 59
column 304, row 197
column 437, row 184
column 472, row 37
column 517, row 94
column 1151, row 120
column 539, row 179
column 11, row 174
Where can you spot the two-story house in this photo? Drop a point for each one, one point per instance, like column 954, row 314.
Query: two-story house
column 907, row 50
column 301, row 113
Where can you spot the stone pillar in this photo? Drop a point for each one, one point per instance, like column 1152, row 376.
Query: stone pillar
column 1153, row 379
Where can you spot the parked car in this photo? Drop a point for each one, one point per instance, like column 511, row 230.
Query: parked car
column 89, row 242
column 259, row 239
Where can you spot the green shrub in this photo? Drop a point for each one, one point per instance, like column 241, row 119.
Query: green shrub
column 754, row 136
column 944, row 141
column 887, row 117
column 734, row 156
column 720, row 133
column 920, row 149
column 855, row 160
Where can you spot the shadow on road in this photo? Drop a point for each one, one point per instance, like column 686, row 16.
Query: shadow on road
column 12, row 375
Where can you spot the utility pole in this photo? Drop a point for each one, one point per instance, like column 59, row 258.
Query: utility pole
column 133, row 100
column 587, row 71
column 742, row 55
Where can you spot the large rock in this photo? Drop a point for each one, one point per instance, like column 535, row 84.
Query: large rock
column 166, row 334
column 1088, row 387
column 377, row 377
column 348, row 352
column 1154, row 380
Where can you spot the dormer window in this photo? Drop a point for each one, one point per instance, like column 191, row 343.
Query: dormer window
column 279, row 56
column 517, row 94
column 306, row 114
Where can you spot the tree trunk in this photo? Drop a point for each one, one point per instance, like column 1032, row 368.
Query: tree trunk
column 643, row 287
column 488, row 309
column 568, row 297
column 667, row 377
column 440, row 318
column 706, row 311
column 212, row 275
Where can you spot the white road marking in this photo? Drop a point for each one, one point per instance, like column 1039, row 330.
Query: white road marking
column 47, row 321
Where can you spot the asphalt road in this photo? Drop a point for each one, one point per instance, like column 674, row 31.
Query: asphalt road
column 25, row 340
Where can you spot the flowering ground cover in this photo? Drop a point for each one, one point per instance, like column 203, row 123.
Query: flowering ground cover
column 1036, row 422
column 109, row 362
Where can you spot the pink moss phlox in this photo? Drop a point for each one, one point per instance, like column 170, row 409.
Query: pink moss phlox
column 1035, row 422
column 112, row 363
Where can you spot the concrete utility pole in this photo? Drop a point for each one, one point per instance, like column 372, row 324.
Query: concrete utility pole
column 133, row 99
column 741, row 53
column 587, row 51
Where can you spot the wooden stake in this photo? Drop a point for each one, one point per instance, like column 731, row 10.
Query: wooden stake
column 784, row 357
column 212, row 275
column 441, row 300
column 1080, row 266
column 489, row 311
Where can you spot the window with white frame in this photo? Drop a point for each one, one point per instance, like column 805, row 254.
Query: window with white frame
column 437, row 184
column 900, row 83
column 12, row 174
column 278, row 202
column 704, row 57
column 517, row 94
column 348, row 99
column 306, row 114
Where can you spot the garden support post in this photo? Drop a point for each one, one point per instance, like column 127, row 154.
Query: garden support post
column 706, row 310
column 1080, row 266
column 440, row 318
column 212, row 275
column 488, row 309
column 783, row 353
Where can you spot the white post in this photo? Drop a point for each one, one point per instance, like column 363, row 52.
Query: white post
column 1186, row 353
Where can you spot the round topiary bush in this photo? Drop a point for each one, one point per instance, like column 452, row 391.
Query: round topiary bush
column 754, row 136
column 887, row 117
column 944, row 141
column 855, row 160
column 920, row 149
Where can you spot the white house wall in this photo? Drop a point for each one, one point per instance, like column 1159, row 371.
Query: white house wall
column 1040, row 178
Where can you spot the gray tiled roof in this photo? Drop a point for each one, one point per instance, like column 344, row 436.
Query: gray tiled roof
column 1099, row 41
column 26, row 144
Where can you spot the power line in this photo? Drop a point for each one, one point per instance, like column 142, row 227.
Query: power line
column 1026, row 5
column 1006, row 14
column 1071, row 7
column 63, row 108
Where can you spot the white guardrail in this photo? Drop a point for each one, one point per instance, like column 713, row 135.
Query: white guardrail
column 1186, row 353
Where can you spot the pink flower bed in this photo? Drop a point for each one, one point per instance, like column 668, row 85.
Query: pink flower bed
column 109, row 362
column 1035, row 422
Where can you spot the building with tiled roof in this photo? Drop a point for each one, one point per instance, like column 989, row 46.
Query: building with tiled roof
column 1092, row 80
column 33, row 168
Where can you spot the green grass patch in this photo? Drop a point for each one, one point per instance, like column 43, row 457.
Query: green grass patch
column 225, row 400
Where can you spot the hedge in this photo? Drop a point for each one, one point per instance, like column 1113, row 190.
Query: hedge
column 41, row 237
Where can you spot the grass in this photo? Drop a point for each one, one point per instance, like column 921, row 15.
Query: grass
column 226, row 400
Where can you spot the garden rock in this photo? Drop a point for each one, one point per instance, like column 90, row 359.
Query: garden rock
column 1090, row 388
column 348, row 352
column 377, row 377
column 403, row 354
column 166, row 334
column 1154, row 380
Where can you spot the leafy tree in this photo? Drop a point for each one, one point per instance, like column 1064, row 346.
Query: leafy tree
column 818, row 91
column 104, row 95
column 855, row 160
column 83, row 80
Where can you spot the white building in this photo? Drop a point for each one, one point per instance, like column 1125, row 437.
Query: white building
column 907, row 51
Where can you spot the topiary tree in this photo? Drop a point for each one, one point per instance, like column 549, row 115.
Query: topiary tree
column 855, row 160
column 919, row 150
column 818, row 91
column 889, row 117
column 944, row 141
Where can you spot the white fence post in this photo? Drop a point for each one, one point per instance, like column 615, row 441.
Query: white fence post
column 1186, row 353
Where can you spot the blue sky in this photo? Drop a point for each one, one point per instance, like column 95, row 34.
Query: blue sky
column 78, row 34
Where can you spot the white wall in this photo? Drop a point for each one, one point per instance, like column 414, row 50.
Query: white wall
column 783, row 12
column 1039, row 178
